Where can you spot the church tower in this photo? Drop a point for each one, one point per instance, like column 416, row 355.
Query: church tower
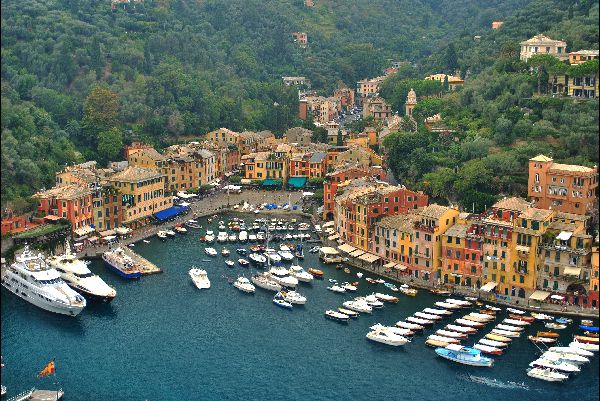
column 411, row 102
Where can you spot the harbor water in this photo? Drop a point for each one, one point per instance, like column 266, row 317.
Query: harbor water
column 163, row 339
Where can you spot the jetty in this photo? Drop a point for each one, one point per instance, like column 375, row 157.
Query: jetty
column 38, row 395
column 145, row 266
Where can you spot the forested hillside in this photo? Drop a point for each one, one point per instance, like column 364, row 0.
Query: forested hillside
column 500, row 116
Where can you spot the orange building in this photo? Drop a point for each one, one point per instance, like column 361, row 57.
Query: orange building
column 301, row 38
column 582, row 56
column 563, row 187
column 16, row 224
column 497, row 24
column 72, row 202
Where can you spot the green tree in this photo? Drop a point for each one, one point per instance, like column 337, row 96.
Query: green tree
column 100, row 112
column 110, row 144
column 541, row 63
column 340, row 138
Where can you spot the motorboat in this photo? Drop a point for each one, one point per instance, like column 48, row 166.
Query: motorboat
column 252, row 237
column 516, row 311
column 549, row 375
column 447, row 340
column 487, row 312
column 446, row 305
column 587, row 322
column 298, row 272
column 440, row 312
column 542, row 316
column 584, row 346
column 279, row 271
column 241, row 251
column 564, row 320
column 410, row 326
column 170, row 233
column 593, row 329
column 571, row 350
column 299, row 252
column 483, row 316
column 349, row 287
column 281, row 302
column 243, row 262
column 209, row 237
column 386, row 337
column 492, row 343
column 338, row 316
column 498, row 337
column 385, row 297
column 77, row 275
column 541, row 340
column 257, row 258
column 210, row 251
column 396, row 330
column 475, row 319
column 294, row 297
column 180, row 229
column 121, row 263
column 337, row 288
column 548, row 334
column 419, row 321
column 357, row 306
column 371, row 300
column 566, row 357
column 316, row 272
column 587, row 339
column 427, row 316
column 230, row 263
column 243, row 236
column 459, row 302
column 263, row 280
column 509, row 327
column 286, row 255
column 145, row 241
column 200, row 278
column 556, row 364
column 31, row 279
column 225, row 252
column 515, row 322
column 284, row 247
column 493, row 308
column 528, row 319
column 451, row 334
column 435, row 343
column 486, row 349
column 470, row 323
column 286, row 281
column 161, row 234
column 406, row 290
column 272, row 256
column 351, row 313
column 222, row 237
column 461, row 329
column 506, row 333
column 464, row 355
column 314, row 249
column 440, row 292
column 232, row 238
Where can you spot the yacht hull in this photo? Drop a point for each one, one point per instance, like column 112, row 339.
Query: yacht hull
column 37, row 301
column 122, row 273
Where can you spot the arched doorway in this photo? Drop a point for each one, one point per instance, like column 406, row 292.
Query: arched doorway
column 578, row 291
column 521, row 293
column 329, row 216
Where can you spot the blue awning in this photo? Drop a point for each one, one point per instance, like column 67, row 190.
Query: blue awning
column 170, row 212
column 297, row 182
column 271, row 183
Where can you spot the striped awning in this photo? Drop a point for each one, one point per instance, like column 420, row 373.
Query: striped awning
column 539, row 295
column 333, row 237
column 356, row 253
column 400, row 267
column 346, row 248
column 389, row 265
column 369, row 257
column 572, row 271
column 489, row 286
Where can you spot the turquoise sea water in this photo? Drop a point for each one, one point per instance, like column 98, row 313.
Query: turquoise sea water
column 162, row 339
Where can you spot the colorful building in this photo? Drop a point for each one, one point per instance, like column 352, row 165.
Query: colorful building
column 71, row 202
column 563, row 187
column 377, row 108
column 541, row 44
column 582, row 56
column 453, row 81
column 593, row 291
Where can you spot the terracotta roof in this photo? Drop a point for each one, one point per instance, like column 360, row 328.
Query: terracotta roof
column 543, row 40
column 572, row 216
column 136, row 174
column 541, row 158
column 457, row 230
column 71, row 191
column 152, row 154
column 586, row 52
column 400, row 222
column 317, row 157
column 512, row 203
column 433, row 211
column 571, row 168
column 534, row 213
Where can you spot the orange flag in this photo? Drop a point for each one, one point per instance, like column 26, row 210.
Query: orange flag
column 48, row 370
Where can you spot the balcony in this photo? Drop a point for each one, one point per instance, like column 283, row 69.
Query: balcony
column 562, row 248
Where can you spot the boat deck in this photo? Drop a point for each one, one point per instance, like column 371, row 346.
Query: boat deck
column 45, row 395
column 146, row 267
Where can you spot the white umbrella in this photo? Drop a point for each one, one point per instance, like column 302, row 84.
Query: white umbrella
column 557, row 297
column 308, row 193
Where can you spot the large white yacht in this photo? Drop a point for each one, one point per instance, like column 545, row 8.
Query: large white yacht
column 263, row 280
column 33, row 280
column 77, row 275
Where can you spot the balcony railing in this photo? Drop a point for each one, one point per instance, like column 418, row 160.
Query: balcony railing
column 562, row 248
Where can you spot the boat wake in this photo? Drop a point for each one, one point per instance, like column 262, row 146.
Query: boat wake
column 495, row 383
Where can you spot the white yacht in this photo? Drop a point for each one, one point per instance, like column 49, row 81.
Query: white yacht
column 287, row 281
column 210, row 251
column 257, row 258
column 357, row 306
column 34, row 281
column 386, row 337
column 200, row 278
column 286, row 255
column 243, row 236
column 371, row 300
column 272, row 255
column 263, row 280
column 337, row 288
column 77, row 275
column 232, row 238
column 222, row 236
column 209, row 237
column 548, row 375
column 244, row 285
column 298, row 272
column 294, row 297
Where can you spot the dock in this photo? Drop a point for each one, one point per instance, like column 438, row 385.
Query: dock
column 146, row 267
column 38, row 395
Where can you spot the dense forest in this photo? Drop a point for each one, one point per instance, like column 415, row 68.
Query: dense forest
column 80, row 79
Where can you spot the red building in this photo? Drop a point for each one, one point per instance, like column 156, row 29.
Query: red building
column 332, row 180
column 16, row 224
column 299, row 165
column 71, row 202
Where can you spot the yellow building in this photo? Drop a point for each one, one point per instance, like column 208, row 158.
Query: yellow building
column 541, row 44
column 593, row 292
column 146, row 158
column 453, row 82
column 359, row 155
column 142, row 194
column 254, row 165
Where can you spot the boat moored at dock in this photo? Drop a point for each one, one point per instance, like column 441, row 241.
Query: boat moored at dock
column 464, row 355
column 121, row 263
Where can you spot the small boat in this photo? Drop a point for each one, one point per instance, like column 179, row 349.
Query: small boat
column 359, row 275
column 170, row 233
column 486, row 349
column 346, row 270
column 548, row 334
column 564, row 320
column 281, row 302
column 242, row 251
column 492, row 343
column 439, row 312
column 209, row 238
column 587, row 340
column 475, row 319
column 446, row 305
column 470, row 323
column 385, row 297
column 528, row 319
column 232, row 238
column 586, row 322
column 225, row 252
column 516, row 311
column 337, row 316
column 131, row 245
column 420, row 321
column 316, row 272
column 458, row 302
column 210, row 251
column 506, row 333
column 243, row 262
column 541, row 316
column 435, row 343
column 474, row 299
column 589, row 328
column 192, row 224
column 200, row 278
column 497, row 337
column 487, row 312
column 337, row 288
column 451, row 334
column 396, row 330
column 349, row 287
column 461, row 329
column 352, row 314
column 294, row 297
column 180, row 229
column 410, row 326
column 548, row 375
column 406, row 290
column 464, row 355
column 257, row 258
column 555, row 364
column 161, row 234
column 493, row 308
column 427, row 316
column 542, row 340
column 222, row 236
column 508, row 327
column 584, row 346
column 356, row 306
column 387, row 337
column 145, row 241
column 571, row 350
column 516, row 322
column 230, row 263
column 440, row 292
